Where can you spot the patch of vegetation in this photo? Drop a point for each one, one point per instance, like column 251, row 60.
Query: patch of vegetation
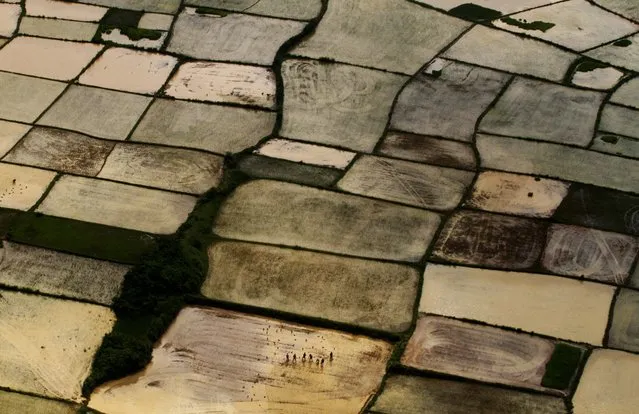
column 79, row 237
column 526, row 25
column 475, row 13
column 126, row 21
column 210, row 10
column 154, row 291
column 610, row 139
column 121, row 18
column 588, row 65
column 7, row 217
column 623, row 43
column 562, row 366
column 133, row 33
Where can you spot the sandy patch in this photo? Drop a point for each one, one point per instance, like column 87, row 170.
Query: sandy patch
column 47, row 345
column 517, row 194
column 608, row 384
column 10, row 134
column 21, row 187
column 212, row 360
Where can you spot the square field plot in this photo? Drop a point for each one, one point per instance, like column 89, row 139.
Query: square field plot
column 10, row 134
column 21, row 187
column 47, row 345
column 213, row 360
column 25, row 98
column 174, row 169
column 337, row 104
column 60, row 150
column 47, row 58
column 97, row 112
column 129, row 70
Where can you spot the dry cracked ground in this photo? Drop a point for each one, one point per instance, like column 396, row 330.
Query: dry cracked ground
column 341, row 206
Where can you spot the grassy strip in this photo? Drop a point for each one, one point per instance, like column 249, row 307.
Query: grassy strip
column 562, row 366
column 79, row 237
column 154, row 291
column 210, row 10
column 7, row 218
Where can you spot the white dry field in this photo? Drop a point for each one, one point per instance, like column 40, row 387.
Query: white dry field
column 306, row 153
column 560, row 307
column 47, row 345
column 224, row 82
column 213, row 360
